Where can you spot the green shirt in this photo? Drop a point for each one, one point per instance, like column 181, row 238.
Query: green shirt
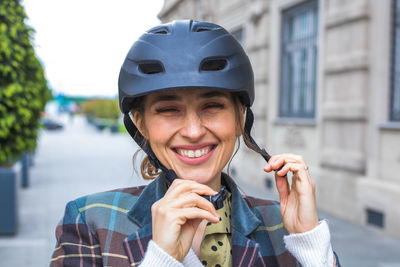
column 216, row 247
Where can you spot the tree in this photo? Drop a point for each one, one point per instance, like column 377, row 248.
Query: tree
column 23, row 86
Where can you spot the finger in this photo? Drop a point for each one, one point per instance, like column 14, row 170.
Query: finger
column 180, row 186
column 193, row 200
column 272, row 160
column 282, row 185
column 196, row 213
column 302, row 182
column 296, row 168
column 277, row 161
column 292, row 157
column 189, row 185
column 270, row 166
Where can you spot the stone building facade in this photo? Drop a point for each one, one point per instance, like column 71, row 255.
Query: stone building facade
column 327, row 87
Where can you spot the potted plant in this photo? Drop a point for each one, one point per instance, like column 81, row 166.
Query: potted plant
column 23, row 94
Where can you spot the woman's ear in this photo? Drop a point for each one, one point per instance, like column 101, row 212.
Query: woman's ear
column 138, row 121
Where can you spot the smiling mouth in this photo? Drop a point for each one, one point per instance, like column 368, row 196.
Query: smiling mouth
column 194, row 153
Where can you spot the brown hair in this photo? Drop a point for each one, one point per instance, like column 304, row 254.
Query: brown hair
column 147, row 169
column 149, row 172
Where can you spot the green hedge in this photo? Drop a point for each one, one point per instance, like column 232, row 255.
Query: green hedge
column 101, row 108
column 23, row 86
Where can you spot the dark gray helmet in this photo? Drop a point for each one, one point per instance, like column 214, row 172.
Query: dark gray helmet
column 185, row 54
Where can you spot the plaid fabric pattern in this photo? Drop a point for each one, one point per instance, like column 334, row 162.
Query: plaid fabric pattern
column 113, row 229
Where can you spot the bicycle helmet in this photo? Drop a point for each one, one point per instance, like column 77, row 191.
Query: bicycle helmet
column 184, row 54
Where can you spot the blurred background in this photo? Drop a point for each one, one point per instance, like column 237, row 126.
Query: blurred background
column 327, row 76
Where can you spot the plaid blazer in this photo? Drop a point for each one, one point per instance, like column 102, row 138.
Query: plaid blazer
column 113, row 229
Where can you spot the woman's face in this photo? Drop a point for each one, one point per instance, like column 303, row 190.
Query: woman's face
column 191, row 131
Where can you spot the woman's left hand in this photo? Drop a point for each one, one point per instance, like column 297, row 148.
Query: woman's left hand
column 297, row 203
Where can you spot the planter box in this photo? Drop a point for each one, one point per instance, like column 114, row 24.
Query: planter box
column 25, row 170
column 10, row 180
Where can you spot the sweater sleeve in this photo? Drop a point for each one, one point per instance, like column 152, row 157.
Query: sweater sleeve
column 156, row 256
column 76, row 245
column 312, row 248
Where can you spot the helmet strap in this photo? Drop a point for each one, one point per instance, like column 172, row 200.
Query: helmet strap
column 247, row 129
column 170, row 175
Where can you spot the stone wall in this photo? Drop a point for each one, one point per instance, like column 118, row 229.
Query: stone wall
column 352, row 151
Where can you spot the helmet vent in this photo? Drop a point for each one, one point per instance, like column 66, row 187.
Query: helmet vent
column 159, row 30
column 202, row 29
column 152, row 67
column 213, row 64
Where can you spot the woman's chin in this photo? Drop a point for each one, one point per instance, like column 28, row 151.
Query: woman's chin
column 202, row 177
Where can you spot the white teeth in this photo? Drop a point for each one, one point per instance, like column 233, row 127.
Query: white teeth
column 193, row 153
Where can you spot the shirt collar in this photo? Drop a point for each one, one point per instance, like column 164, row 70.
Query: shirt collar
column 224, row 226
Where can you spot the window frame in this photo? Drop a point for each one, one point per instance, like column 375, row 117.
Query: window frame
column 306, row 96
column 394, row 112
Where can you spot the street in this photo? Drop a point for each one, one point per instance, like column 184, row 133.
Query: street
column 80, row 160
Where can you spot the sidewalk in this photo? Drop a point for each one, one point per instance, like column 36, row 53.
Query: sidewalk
column 80, row 160
column 70, row 163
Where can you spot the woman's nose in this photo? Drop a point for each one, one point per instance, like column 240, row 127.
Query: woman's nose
column 193, row 128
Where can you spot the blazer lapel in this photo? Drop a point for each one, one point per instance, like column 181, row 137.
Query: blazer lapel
column 136, row 243
column 244, row 222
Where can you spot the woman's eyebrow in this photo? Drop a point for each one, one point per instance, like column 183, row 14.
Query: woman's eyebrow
column 213, row 94
column 176, row 97
column 165, row 97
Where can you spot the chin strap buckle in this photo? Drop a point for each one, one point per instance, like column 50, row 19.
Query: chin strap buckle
column 218, row 199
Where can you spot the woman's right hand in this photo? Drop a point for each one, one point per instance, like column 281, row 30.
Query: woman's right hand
column 177, row 215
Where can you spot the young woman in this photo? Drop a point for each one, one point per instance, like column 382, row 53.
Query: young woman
column 186, row 89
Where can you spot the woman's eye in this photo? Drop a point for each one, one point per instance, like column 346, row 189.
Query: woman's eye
column 166, row 110
column 214, row 105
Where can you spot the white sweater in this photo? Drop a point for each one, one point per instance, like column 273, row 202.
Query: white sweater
column 311, row 249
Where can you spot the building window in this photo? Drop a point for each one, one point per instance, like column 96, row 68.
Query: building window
column 299, row 61
column 238, row 34
column 395, row 94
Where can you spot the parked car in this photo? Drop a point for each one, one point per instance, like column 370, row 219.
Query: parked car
column 50, row 124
